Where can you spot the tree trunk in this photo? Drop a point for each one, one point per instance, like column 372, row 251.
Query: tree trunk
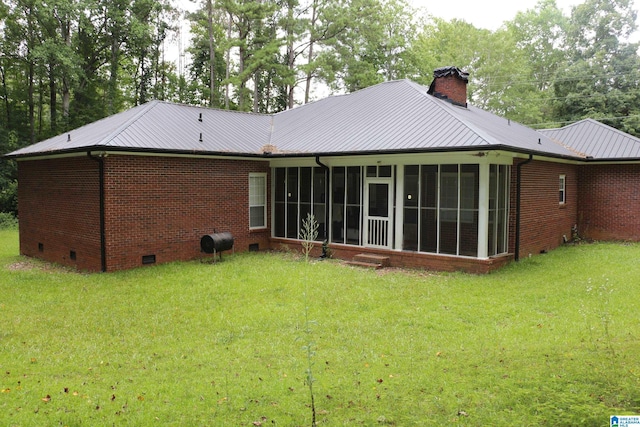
column 256, row 91
column 31, row 103
column 290, row 54
column 5, row 95
column 53, row 92
column 212, row 54
column 228, row 64
column 30, row 71
column 312, row 23
column 66, row 86
column 113, row 75
column 307, row 87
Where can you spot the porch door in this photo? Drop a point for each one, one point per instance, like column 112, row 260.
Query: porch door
column 378, row 222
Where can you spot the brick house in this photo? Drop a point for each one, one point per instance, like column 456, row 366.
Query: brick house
column 397, row 169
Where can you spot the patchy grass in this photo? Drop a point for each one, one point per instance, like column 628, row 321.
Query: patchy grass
column 550, row 341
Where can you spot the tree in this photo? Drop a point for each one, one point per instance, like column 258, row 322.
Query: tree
column 601, row 76
column 540, row 34
column 369, row 51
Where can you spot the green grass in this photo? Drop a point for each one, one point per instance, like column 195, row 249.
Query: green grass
column 553, row 340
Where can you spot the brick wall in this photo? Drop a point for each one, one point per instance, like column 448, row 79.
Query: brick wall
column 162, row 206
column 453, row 88
column 401, row 259
column 609, row 207
column 159, row 206
column 544, row 221
column 58, row 202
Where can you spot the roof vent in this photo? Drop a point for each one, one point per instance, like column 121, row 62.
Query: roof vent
column 450, row 84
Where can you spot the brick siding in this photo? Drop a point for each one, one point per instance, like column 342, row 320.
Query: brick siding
column 162, row 206
column 159, row 206
column 401, row 259
column 58, row 203
column 609, row 207
column 543, row 220
column 453, row 88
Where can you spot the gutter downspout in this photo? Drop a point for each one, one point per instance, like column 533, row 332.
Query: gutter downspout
column 518, row 197
column 103, row 240
column 325, row 241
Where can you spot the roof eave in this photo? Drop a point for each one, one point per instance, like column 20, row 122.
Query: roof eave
column 132, row 150
column 155, row 151
column 492, row 147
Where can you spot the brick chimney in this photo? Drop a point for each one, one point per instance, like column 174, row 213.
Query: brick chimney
column 450, row 84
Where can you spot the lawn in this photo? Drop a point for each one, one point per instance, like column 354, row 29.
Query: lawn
column 553, row 340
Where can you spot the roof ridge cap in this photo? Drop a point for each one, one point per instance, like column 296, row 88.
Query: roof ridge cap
column 446, row 109
column 146, row 108
column 599, row 123
column 341, row 95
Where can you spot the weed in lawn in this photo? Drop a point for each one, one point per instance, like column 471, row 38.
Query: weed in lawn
column 598, row 317
column 308, row 235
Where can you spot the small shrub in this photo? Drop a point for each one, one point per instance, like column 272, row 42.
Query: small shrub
column 9, row 197
column 8, row 221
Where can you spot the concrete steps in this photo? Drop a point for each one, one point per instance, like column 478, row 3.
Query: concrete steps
column 369, row 261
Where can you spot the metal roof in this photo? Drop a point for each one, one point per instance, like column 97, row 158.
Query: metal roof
column 162, row 126
column 392, row 117
column 400, row 116
column 597, row 141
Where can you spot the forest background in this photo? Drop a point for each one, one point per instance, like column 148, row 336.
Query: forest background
column 66, row 63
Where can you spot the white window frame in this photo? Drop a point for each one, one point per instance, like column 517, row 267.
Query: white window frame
column 258, row 197
column 562, row 189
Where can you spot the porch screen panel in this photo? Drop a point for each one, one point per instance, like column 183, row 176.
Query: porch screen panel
column 292, row 203
column 493, row 210
column 305, row 195
column 354, row 200
column 504, row 171
column 468, row 230
column 338, row 177
column 280, row 191
column 319, row 200
column 498, row 209
column 448, row 212
column 411, row 199
column 429, row 208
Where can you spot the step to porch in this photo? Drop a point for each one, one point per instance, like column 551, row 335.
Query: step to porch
column 370, row 261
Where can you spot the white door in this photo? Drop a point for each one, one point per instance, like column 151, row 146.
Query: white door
column 378, row 208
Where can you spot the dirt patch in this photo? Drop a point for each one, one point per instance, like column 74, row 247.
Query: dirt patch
column 28, row 265
column 21, row 266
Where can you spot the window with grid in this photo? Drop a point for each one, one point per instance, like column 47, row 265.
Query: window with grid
column 563, row 189
column 257, row 200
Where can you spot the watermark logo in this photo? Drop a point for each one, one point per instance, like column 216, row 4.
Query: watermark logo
column 624, row 421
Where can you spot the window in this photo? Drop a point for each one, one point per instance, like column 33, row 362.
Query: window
column 498, row 232
column 298, row 191
column 257, row 200
column 441, row 208
column 563, row 189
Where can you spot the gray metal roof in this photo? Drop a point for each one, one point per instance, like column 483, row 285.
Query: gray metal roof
column 391, row 117
column 400, row 116
column 597, row 141
column 163, row 126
